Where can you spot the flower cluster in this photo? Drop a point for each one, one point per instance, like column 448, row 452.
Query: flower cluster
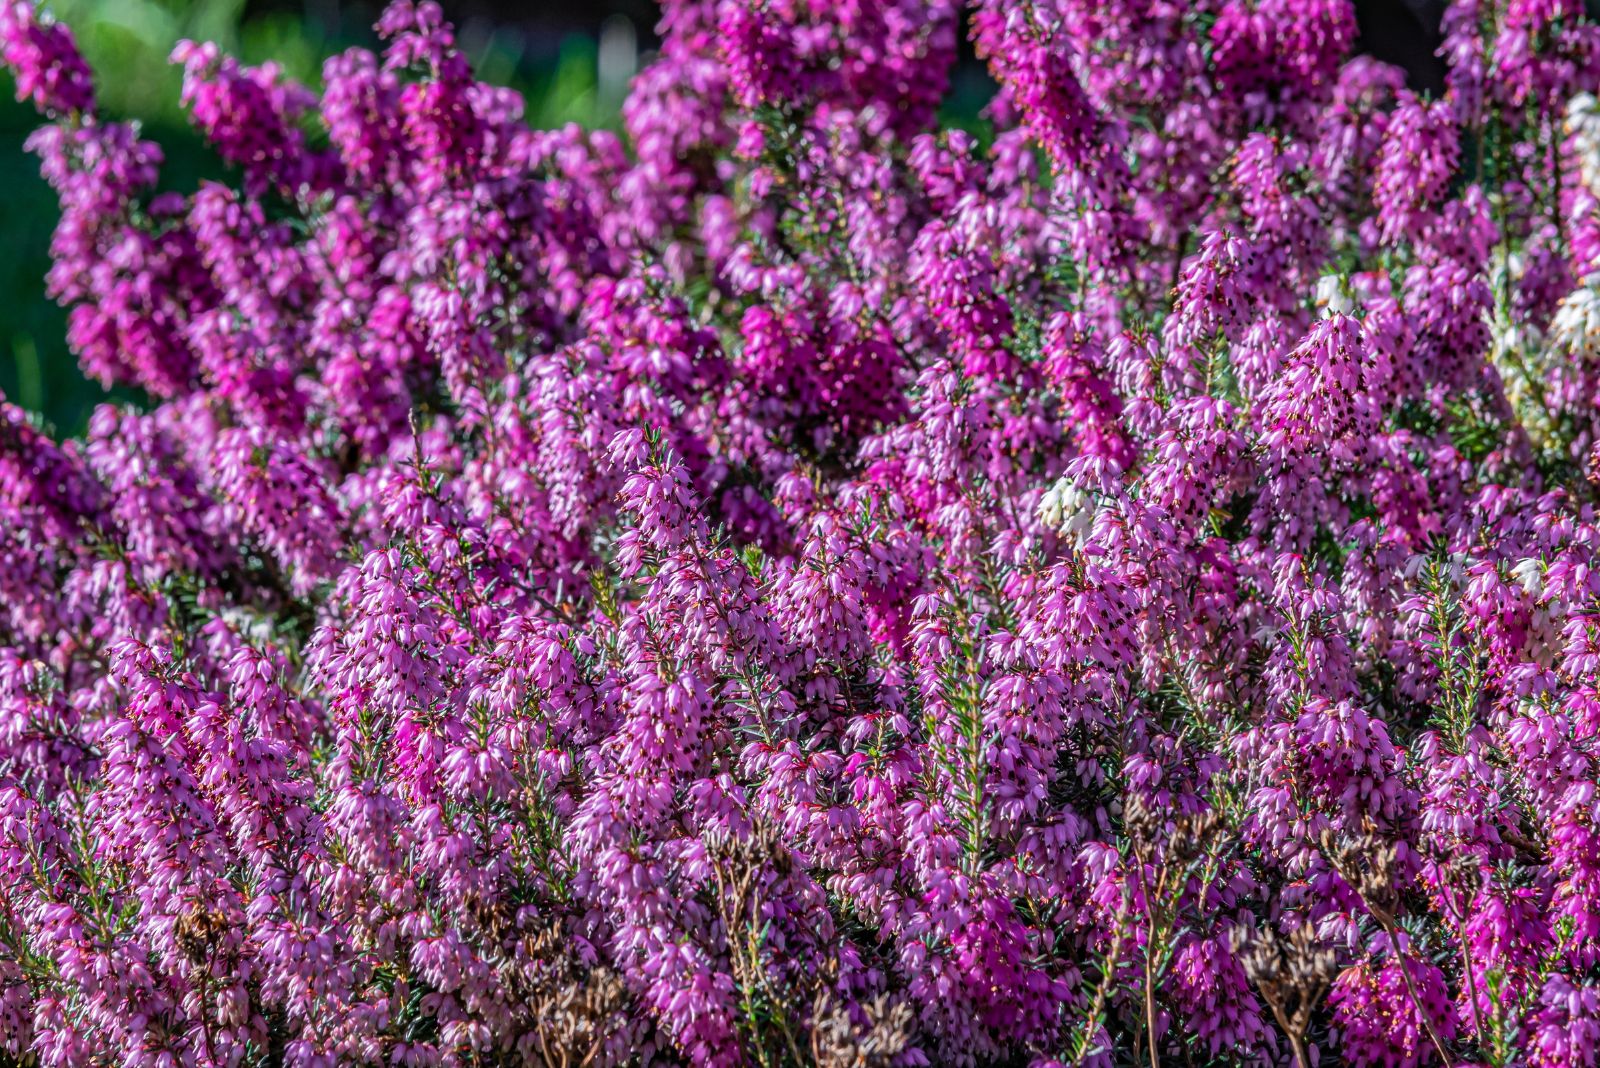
column 793, row 584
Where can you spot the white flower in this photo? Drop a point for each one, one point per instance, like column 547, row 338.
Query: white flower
column 1333, row 296
column 1529, row 574
column 1582, row 111
column 1576, row 326
column 1068, row 508
column 1583, row 126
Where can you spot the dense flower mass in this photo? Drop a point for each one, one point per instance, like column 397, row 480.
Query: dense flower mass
column 793, row 584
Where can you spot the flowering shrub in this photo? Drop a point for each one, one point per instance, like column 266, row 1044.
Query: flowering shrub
column 797, row 585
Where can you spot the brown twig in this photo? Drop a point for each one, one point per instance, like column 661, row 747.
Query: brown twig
column 1372, row 884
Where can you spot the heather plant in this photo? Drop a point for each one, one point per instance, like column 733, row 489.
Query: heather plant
column 792, row 584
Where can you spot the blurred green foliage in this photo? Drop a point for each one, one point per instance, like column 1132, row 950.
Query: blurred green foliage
column 127, row 42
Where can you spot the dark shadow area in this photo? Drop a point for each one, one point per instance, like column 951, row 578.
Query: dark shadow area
column 1406, row 34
